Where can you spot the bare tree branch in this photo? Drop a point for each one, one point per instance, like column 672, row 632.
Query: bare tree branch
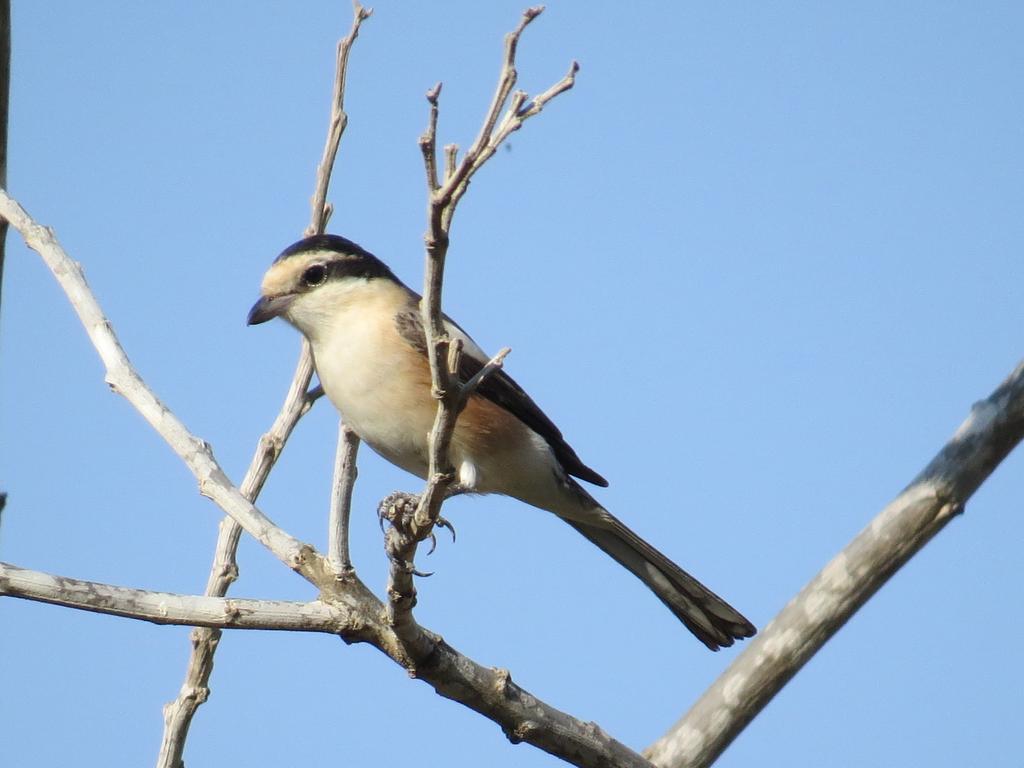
column 522, row 716
column 412, row 520
column 443, row 200
column 939, row 493
column 170, row 608
column 5, row 101
column 195, row 690
column 363, row 618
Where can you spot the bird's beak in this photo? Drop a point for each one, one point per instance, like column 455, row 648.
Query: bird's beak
column 267, row 308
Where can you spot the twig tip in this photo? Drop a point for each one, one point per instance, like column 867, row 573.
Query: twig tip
column 362, row 13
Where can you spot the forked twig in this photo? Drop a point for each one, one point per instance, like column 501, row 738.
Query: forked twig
column 503, row 116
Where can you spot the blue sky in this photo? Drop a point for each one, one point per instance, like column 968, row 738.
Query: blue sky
column 757, row 265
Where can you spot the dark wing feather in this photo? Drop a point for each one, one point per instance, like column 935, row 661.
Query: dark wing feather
column 502, row 390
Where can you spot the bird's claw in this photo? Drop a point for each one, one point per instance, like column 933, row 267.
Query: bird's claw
column 444, row 523
column 408, row 566
column 440, row 523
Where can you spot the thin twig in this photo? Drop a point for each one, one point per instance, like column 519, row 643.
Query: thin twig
column 428, row 141
column 480, row 376
column 520, row 109
column 345, row 473
column 937, row 495
column 338, row 123
column 451, row 157
column 296, row 404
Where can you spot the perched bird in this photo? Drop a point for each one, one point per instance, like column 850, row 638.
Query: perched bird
column 370, row 351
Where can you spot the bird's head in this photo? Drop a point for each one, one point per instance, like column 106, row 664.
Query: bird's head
column 312, row 281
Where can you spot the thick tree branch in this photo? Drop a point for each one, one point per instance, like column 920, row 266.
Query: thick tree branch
column 522, row 716
column 939, row 493
column 169, row 608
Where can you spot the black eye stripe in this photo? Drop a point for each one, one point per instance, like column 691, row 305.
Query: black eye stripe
column 320, row 272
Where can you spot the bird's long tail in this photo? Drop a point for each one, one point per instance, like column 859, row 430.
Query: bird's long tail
column 715, row 623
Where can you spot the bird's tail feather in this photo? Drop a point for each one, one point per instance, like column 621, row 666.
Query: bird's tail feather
column 715, row 623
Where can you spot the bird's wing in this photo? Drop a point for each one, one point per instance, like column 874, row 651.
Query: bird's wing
column 500, row 388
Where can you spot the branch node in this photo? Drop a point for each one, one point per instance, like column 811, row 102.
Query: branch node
column 523, row 731
column 502, row 682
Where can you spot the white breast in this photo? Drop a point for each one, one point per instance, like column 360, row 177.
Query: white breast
column 373, row 377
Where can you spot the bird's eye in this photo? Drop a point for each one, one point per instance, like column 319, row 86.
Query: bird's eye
column 314, row 275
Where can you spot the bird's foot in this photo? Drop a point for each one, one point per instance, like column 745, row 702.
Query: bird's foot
column 398, row 508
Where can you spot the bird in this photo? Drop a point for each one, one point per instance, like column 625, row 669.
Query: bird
column 365, row 330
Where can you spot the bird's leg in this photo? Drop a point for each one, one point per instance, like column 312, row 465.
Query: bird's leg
column 457, row 489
